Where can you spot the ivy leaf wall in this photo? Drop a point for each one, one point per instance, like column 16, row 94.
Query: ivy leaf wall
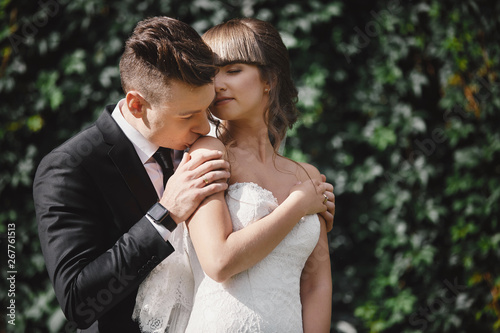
column 399, row 109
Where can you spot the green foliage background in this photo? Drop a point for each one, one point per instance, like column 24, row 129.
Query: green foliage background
column 400, row 106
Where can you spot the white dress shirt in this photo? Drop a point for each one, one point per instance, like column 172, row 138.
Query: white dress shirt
column 145, row 151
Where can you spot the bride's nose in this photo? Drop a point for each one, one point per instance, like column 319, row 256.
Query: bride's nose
column 219, row 84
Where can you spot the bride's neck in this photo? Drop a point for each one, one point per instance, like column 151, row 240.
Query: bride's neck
column 251, row 141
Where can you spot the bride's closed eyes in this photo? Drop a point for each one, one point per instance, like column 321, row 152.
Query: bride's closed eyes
column 232, row 69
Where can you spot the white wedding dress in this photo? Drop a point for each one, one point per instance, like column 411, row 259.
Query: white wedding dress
column 264, row 298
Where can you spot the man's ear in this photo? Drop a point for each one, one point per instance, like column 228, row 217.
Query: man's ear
column 136, row 103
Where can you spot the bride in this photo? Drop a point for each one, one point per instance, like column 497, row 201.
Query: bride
column 256, row 259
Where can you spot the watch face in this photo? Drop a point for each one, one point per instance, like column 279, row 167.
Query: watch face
column 158, row 212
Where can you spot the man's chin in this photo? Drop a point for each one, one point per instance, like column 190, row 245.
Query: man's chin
column 192, row 143
column 184, row 147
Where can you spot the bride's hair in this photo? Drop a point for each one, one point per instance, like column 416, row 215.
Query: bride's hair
column 256, row 42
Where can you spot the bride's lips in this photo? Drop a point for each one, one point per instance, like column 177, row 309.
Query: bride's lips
column 222, row 100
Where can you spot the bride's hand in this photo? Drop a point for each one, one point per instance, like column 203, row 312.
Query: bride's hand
column 310, row 196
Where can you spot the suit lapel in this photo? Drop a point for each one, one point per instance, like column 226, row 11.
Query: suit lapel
column 125, row 158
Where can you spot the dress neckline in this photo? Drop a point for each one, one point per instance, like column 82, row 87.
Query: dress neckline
column 252, row 184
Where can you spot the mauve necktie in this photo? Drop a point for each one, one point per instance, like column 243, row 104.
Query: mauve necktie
column 164, row 159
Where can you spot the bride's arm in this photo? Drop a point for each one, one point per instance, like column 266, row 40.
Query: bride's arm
column 316, row 287
column 316, row 280
column 223, row 253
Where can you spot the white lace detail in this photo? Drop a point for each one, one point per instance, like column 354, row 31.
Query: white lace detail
column 165, row 297
column 264, row 298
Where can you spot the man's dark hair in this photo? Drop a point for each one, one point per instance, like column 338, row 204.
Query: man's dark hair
column 162, row 50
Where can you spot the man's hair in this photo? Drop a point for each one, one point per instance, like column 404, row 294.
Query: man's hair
column 162, row 50
column 256, row 42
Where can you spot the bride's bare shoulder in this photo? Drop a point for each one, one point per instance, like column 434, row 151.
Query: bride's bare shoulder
column 207, row 142
column 308, row 170
column 303, row 171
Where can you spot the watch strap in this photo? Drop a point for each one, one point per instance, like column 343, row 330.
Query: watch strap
column 161, row 215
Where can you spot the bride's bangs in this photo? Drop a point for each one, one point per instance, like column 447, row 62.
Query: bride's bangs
column 234, row 44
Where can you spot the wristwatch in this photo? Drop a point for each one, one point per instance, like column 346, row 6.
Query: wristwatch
column 161, row 215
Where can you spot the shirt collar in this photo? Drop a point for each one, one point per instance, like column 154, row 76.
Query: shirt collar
column 144, row 148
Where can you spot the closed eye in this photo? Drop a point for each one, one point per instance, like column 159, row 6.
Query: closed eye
column 188, row 115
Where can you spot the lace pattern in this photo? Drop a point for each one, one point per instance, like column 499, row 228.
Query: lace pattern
column 264, row 298
column 165, row 297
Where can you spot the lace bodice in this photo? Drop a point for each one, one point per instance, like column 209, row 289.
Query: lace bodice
column 266, row 297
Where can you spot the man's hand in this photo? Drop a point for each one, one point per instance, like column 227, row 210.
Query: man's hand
column 329, row 214
column 195, row 179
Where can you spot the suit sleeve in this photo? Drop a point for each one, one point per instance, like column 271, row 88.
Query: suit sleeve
column 91, row 263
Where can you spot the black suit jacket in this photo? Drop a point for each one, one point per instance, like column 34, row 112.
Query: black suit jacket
column 91, row 195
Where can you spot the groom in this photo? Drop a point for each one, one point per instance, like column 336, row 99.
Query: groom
column 104, row 214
